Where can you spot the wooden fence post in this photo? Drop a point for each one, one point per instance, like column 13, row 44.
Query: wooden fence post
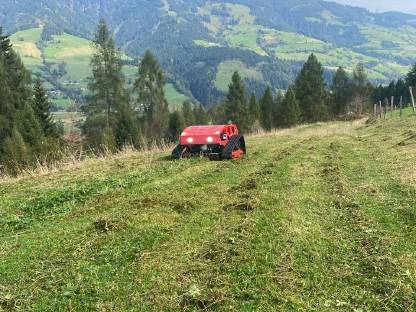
column 375, row 110
column 391, row 106
column 386, row 103
column 401, row 107
column 380, row 109
column 413, row 99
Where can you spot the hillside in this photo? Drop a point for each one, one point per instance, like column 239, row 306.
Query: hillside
column 320, row 217
column 196, row 40
column 64, row 62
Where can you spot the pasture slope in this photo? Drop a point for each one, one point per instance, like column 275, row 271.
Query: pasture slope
column 317, row 218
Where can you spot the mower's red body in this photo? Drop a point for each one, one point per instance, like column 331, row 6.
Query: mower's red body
column 216, row 142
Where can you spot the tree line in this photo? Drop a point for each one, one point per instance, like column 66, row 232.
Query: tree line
column 28, row 134
column 117, row 115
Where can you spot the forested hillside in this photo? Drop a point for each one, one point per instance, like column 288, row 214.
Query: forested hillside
column 200, row 44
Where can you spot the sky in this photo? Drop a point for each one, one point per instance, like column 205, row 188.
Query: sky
column 408, row 6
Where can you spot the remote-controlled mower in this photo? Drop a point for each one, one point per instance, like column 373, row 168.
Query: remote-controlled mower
column 220, row 142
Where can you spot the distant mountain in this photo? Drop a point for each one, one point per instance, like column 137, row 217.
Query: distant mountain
column 200, row 43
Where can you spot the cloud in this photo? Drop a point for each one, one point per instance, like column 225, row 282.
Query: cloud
column 408, row 6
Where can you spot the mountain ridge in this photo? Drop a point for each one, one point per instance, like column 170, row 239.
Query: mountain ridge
column 195, row 40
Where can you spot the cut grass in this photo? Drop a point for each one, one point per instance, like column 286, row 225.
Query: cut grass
column 317, row 218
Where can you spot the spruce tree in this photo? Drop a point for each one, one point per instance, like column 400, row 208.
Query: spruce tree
column 200, row 115
column 266, row 110
column 149, row 88
column 341, row 92
column 41, row 107
column 21, row 136
column 127, row 132
column 188, row 114
column 276, row 110
column 401, row 90
column 176, row 125
column 289, row 110
column 236, row 108
column 411, row 77
column 5, row 44
column 254, row 110
column 310, row 91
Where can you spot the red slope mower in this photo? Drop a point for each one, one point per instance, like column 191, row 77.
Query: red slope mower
column 216, row 142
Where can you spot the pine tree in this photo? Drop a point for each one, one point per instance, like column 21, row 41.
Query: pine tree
column 188, row 114
column 266, row 110
column 41, row 107
column 176, row 125
column 107, row 94
column 149, row 87
column 254, row 110
column 310, row 91
column 341, row 92
column 289, row 110
column 236, row 108
column 411, row 77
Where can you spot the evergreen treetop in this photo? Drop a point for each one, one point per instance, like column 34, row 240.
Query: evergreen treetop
column 236, row 108
column 266, row 110
column 310, row 91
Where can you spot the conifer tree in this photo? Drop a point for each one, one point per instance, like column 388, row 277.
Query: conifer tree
column 188, row 113
column 310, row 91
column 254, row 110
column 276, row 110
column 149, row 87
column 341, row 92
column 401, row 90
column 289, row 110
column 200, row 115
column 176, row 125
column 21, row 135
column 361, row 90
column 107, row 96
column 266, row 110
column 236, row 108
column 127, row 132
column 41, row 107
column 411, row 77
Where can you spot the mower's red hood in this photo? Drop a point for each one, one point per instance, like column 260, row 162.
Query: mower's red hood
column 201, row 135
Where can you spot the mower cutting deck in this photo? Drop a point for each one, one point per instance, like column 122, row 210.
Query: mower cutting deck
column 216, row 142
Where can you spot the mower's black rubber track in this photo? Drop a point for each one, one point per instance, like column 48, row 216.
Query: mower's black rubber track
column 177, row 153
column 236, row 141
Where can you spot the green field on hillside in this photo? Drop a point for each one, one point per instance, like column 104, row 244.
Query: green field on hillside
column 226, row 70
column 74, row 54
column 317, row 218
column 25, row 44
column 240, row 30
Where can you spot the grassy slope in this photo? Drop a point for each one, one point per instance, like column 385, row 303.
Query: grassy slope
column 318, row 218
column 25, row 43
column 226, row 70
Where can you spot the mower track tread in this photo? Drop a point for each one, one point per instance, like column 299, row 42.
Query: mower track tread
column 227, row 153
